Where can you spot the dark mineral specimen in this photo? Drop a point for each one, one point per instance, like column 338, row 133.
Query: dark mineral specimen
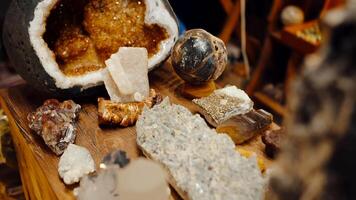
column 55, row 123
column 116, row 158
column 272, row 140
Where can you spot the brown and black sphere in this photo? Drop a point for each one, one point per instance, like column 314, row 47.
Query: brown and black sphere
column 199, row 57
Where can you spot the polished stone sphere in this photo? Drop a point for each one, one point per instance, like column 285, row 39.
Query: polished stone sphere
column 292, row 15
column 199, row 57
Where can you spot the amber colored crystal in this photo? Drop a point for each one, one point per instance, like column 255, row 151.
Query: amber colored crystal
column 83, row 34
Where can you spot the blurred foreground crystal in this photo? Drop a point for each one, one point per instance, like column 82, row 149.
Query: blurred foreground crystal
column 141, row 179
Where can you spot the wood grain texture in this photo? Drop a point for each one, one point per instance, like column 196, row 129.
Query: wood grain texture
column 38, row 165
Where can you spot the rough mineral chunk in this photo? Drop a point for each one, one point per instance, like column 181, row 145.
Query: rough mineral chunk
column 55, row 123
column 129, row 70
column 241, row 128
column 224, row 103
column 113, row 91
column 202, row 164
column 124, row 114
column 75, row 162
column 272, row 141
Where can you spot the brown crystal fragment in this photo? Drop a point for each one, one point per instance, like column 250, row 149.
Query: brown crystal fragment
column 124, row 114
column 272, row 140
column 55, row 123
column 244, row 127
column 84, row 33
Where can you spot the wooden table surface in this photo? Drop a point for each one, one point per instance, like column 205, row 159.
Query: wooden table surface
column 38, row 165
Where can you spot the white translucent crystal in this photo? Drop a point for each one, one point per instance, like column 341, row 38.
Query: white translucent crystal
column 203, row 163
column 113, row 91
column 129, row 71
column 233, row 91
column 143, row 179
column 140, row 179
column 102, row 186
column 75, row 162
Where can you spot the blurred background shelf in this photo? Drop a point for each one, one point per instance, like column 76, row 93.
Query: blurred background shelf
column 270, row 103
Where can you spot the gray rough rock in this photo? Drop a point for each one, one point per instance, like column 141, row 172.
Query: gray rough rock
column 204, row 164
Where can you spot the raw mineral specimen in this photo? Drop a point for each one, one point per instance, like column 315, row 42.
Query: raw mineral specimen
column 241, row 128
column 248, row 154
column 102, row 185
column 223, row 104
column 75, row 162
column 202, row 164
column 129, row 70
column 63, row 44
column 141, row 179
column 124, row 114
column 55, row 123
column 272, row 140
column 115, row 158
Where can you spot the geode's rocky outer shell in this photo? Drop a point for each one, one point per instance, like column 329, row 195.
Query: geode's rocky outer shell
column 24, row 58
column 19, row 48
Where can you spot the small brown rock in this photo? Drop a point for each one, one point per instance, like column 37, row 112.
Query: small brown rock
column 272, row 140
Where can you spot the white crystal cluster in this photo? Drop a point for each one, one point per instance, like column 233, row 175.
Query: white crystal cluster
column 75, row 162
column 203, row 163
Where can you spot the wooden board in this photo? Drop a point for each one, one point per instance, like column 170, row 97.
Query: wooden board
column 38, row 165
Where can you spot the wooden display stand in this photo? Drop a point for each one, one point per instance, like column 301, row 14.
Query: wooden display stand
column 197, row 91
column 38, row 165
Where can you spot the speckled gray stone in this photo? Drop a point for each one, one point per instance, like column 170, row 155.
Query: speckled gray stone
column 203, row 163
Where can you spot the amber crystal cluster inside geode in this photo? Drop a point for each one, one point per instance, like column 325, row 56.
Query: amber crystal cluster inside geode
column 84, row 33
